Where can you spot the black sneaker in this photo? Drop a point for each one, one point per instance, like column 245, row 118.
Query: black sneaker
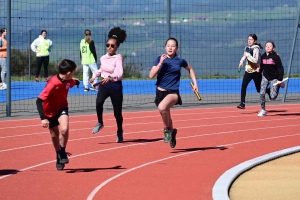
column 59, row 166
column 62, row 157
column 241, row 106
column 167, row 136
column 97, row 128
column 119, row 137
column 173, row 139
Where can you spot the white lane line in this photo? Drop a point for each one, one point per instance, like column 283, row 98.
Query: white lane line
column 149, row 111
column 73, row 156
column 137, row 144
column 147, row 116
column 186, row 127
column 100, row 186
column 221, row 187
column 95, row 191
column 156, row 122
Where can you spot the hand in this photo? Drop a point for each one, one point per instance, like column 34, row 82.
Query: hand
column 162, row 58
column 258, row 69
column 105, row 80
column 195, row 88
column 45, row 123
column 92, row 80
column 77, row 82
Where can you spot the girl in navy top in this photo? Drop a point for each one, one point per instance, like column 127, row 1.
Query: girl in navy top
column 272, row 69
column 167, row 68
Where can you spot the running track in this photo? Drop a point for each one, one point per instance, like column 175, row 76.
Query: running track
column 210, row 141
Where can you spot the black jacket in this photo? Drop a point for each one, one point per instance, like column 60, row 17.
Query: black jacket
column 271, row 66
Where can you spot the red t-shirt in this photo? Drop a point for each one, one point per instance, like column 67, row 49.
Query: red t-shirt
column 55, row 95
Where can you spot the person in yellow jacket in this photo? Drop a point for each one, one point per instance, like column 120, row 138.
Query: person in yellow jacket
column 88, row 57
column 42, row 47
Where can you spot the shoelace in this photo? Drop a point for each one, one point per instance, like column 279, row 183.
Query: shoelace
column 68, row 153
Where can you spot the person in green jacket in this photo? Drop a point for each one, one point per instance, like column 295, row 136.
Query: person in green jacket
column 88, row 58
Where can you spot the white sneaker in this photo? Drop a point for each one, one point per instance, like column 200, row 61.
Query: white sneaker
column 262, row 113
column 3, row 86
column 93, row 88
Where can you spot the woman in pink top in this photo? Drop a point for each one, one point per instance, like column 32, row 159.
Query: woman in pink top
column 111, row 70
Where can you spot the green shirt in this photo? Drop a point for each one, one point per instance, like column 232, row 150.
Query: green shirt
column 86, row 54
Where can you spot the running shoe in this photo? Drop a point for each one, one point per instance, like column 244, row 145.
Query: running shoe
column 241, row 106
column 119, row 137
column 97, row 128
column 262, row 113
column 62, row 157
column 167, row 135
column 3, row 86
column 93, row 89
column 173, row 139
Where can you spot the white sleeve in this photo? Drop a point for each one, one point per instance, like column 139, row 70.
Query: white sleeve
column 34, row 45
column 51, row 46
column 255, row 57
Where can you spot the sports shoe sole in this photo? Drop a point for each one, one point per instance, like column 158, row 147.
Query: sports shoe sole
column 173, row 139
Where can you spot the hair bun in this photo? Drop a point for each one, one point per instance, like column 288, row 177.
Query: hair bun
column 118, row 34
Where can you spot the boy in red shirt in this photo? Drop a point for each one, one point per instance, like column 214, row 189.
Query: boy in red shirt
column 52, row 106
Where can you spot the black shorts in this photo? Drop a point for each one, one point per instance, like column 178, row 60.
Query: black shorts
column 160, row 95
column 54, row 120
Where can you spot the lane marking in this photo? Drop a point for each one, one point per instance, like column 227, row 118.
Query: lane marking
column 156, row 122
column 186, row 127
column 99, row 187
column 278, row 106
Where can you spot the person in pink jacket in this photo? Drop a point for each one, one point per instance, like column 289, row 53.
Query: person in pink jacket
column 111, row 70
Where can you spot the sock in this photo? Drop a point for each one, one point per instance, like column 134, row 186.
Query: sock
column 63, row 149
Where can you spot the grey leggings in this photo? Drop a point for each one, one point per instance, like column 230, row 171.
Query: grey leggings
column 273, row 91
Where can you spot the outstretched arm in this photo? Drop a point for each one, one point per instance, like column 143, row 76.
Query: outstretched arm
column 193, row 76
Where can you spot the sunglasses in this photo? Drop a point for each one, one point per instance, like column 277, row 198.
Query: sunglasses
column 87, row 34
column 111, row 45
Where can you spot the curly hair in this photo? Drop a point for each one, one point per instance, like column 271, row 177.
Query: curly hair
column 118, row 34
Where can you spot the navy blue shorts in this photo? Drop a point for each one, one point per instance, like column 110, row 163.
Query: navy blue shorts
column 54, row 120
column 160, row 95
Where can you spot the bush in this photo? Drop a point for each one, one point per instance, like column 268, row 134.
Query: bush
column 20, row 64
column 131, row 70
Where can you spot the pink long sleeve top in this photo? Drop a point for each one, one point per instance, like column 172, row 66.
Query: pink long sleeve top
column 110, row 66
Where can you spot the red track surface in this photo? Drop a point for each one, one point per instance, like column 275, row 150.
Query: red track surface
column 143, row 167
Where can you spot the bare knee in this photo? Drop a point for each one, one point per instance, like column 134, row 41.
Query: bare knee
column 161, row 109
column 63, row 130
